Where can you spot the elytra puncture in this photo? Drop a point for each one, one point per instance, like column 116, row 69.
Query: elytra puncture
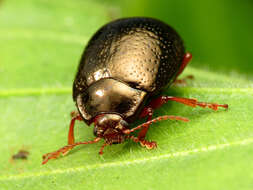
column 125, row 64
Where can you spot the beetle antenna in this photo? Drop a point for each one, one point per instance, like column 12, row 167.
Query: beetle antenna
column 146, row 124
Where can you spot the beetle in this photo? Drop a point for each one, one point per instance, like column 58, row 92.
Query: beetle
column 125, row 65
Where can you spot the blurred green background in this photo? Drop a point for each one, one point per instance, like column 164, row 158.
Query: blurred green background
column 219, row 33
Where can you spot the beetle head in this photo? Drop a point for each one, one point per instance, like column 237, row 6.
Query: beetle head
column 110, row 127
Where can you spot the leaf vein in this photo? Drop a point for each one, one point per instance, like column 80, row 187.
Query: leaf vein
column 130, row 162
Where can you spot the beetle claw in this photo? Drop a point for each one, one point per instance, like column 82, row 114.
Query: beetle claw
column 148, row 144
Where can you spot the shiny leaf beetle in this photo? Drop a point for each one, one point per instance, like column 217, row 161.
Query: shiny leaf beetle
column 124, row 65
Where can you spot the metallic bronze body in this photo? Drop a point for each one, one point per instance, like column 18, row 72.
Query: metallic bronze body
column 124, row 63
column 109, row 96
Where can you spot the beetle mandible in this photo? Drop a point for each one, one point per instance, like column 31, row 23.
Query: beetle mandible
column 125, row 64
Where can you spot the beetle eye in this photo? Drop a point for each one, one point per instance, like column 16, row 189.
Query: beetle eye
column 97, row 131
column 124, row 123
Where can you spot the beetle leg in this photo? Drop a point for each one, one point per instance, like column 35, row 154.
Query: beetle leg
column 64, row 150
column 147, row 111
column 158, row 102
column 102, row 148
column 152, row 144
column 186, row 59
column 75, row 116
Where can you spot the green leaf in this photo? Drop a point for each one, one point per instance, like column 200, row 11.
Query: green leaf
column 41, row 43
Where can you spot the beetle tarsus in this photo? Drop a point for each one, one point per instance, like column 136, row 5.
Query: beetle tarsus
column 144, row 143
column 53, row 155
column 213, row 106
column 183, row 81
column 148, row 144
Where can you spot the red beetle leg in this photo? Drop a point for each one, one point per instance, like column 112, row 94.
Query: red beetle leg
column 64, row 150
column 152, row 144
column 187, row 58
column 75, row 116
column 147, row 111
column 156, row 103
column 102, row 148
